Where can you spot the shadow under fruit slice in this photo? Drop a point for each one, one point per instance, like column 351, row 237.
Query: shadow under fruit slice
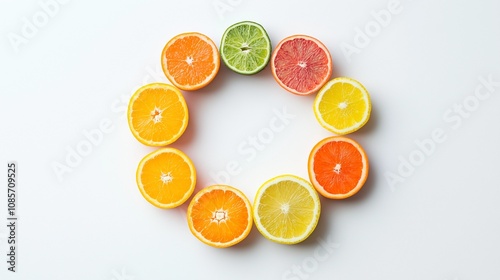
column 220, row 216
column 166, row 177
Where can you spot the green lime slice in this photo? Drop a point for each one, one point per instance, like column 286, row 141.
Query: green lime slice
column 245, row 47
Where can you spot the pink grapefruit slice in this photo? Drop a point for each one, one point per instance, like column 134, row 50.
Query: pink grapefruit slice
column 301, row 64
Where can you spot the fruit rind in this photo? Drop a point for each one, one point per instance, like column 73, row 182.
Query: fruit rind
column 364, row 174
column 304, row 183
column 331, row 128
column 209, row 79
column 321, row 45
column 174, row 137
column 266, row 37
column 154, row 154
column 219, row 244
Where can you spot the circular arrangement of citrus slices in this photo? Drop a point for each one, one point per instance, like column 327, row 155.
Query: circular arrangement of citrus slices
column 286, row 208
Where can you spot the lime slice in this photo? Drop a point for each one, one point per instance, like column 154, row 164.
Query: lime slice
column 245, row 47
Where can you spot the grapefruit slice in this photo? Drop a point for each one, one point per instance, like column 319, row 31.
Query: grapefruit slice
column 301, row 64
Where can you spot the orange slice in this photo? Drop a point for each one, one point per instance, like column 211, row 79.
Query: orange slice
column 220, row 216
column 157, row 114
column 301, row 64
column 190, row 60
column 166, row 177
column 338, row 167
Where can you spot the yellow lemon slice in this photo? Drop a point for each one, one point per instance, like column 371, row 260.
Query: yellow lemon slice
column 286, row 209
column 342, row 105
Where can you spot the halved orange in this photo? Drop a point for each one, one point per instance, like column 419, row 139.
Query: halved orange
column 166, row 177
column 190, row 60
column 157, row 114
column 338, row 167
column 301, row 64
column 220, row 216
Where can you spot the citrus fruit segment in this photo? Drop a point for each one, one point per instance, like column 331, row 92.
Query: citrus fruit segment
column 245, row 47
column 338, row 167
column 190, row 60
column 286, row 209
column 301, row 64
column 166, row 177
column 157, row 114
column 220, row 216
column 342, row 105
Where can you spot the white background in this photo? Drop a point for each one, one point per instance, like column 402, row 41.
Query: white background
column 440, row 221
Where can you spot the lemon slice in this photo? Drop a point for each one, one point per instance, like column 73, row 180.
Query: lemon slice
column 342, row 105
column 286, row 209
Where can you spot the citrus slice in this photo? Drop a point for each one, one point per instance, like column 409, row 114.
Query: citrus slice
column 220, row 216
column 342, row 105
column 166, row 177
column 286, row 209
column 301, row 64
column 157, row 114
column 245, row 47
column 338, row 167
column 190, row 60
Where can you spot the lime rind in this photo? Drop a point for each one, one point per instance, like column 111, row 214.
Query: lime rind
column 246, row 48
